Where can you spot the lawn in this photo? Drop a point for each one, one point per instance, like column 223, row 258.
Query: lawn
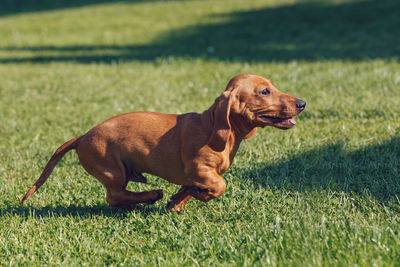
column 323, row 193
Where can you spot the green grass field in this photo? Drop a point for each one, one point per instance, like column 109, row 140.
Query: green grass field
column 324, row 193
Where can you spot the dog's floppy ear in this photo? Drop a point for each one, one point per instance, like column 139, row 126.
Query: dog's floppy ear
column 220, row 121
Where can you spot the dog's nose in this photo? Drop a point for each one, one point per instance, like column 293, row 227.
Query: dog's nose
column 300, row 104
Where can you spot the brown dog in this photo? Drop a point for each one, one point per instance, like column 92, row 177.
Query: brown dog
column 192, row 150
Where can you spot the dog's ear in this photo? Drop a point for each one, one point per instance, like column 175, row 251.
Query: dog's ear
column 220, row 121
column 251, row 134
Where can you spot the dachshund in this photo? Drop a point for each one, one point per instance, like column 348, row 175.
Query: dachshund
column 191, row 150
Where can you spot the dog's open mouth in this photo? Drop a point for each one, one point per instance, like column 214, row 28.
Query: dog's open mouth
column 279, row 122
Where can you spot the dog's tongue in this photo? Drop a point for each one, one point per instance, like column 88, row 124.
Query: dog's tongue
column 292, row 121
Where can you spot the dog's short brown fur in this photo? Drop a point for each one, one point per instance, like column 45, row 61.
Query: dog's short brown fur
column 192, row 150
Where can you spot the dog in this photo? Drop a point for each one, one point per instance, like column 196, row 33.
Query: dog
column 191, row 150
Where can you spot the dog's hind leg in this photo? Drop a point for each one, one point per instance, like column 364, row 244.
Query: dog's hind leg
column 118, row 196
column 125, row 199
column 111, row 173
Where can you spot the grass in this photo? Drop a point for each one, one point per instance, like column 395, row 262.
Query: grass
column 323, row 193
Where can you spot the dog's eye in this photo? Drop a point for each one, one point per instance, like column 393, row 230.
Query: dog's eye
column 265, row 92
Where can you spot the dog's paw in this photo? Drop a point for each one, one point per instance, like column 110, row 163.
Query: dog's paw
column 171, row 206
column 157, row 195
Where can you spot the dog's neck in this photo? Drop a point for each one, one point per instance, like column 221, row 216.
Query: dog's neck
column 240, row 127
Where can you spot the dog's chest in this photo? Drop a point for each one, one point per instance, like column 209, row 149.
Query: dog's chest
column 224, row 162
column 227, row 156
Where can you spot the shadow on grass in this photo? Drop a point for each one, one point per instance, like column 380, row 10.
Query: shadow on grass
column 373, row 170
column 355, row 30
column 77, row 211
column 12, row 7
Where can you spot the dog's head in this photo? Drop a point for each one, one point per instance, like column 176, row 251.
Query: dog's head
column 252, row 101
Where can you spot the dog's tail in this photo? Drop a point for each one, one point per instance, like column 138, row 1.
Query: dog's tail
column 60, row 152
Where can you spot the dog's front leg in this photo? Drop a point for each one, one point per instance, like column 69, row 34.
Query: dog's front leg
column 179, row 200
column 205, row 190
column 208, row 188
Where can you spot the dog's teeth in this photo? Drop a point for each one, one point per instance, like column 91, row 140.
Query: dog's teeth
column 292, row 121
